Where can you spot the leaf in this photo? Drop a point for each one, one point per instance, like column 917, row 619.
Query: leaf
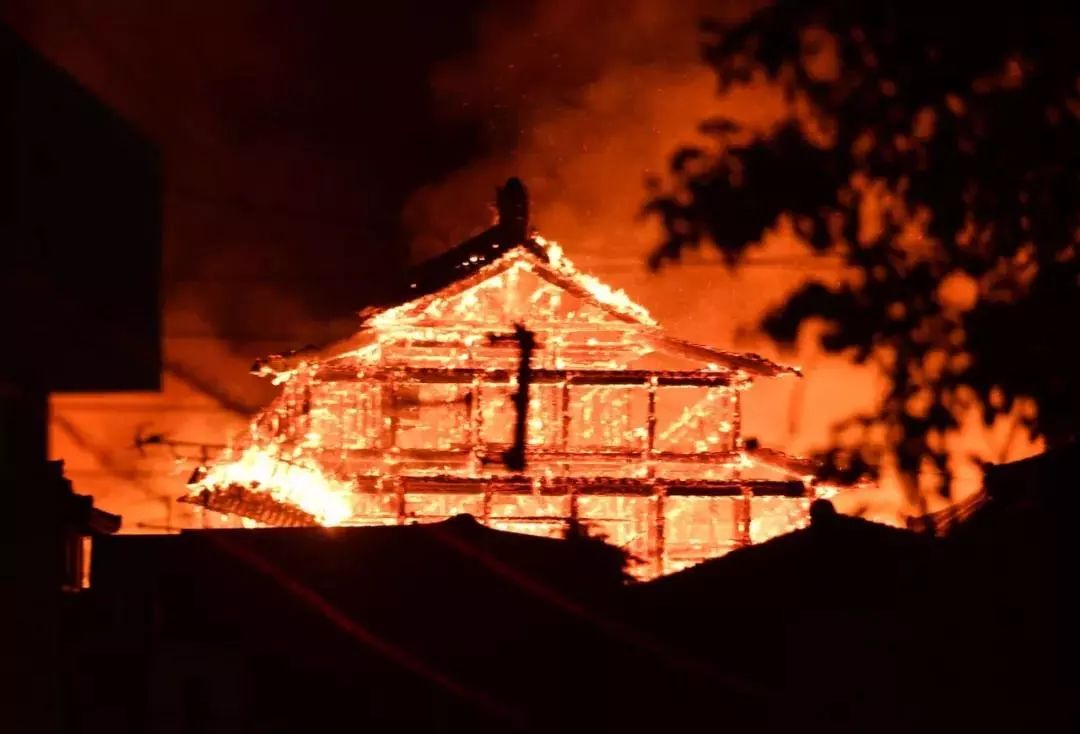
column 994, row 181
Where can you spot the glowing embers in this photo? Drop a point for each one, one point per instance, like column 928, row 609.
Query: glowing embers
column 696, row 420
column 625, row 522
column 532, row 513
column 696, row 528
column 436, row 506
column 773, row 516
column 615, row 299
column 629, row 434
column 518, row 294
column 607, row 418
column 296, row 481
column 430, row 416
column 379, row 506
column 344, row 415
column 520, row 284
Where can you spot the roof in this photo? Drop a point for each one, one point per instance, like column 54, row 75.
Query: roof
column 319, row 619
column 318, row 550
column 1045, row 473
column 834, row 550
column 493, row 251
column 468, row 268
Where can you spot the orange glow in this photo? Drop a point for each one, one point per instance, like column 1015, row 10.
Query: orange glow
column 631, row 433
column 627, row 91
column 295, row 481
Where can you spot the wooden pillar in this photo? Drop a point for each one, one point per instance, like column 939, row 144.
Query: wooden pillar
column 390, row 416
column 736, row 419
column 743, row 507
column 485, row 508
column 390, row 450
column 650, row 428
column 564, row 415
column 564, row 446
column 400, row 500
column 659, row 522
column 476, row 426
column 659, row 492
column 743, row 504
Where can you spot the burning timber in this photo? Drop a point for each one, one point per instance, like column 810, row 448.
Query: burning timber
column 507, row 384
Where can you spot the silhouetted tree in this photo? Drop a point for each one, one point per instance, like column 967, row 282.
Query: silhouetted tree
column 938, row 155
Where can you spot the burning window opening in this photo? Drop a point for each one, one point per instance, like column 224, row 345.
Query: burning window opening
column 629, row 432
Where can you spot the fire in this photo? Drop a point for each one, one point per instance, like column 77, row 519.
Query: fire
column 507, row 267
column 632, row 433
column 296, row 481
column 602, row 292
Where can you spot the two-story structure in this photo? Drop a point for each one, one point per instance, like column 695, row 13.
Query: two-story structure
column 629, row 432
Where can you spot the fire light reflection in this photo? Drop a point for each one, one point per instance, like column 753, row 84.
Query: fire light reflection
column 632, row 434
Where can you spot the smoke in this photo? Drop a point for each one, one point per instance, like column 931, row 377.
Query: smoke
column 248, row 187
column 293, row 145
column 586, row 101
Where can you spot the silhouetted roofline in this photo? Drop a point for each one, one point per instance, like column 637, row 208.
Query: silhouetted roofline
column 487, row 254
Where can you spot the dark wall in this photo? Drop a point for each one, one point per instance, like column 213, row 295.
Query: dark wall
column 846, row 626
column 80, row 244
column 80, row 223
column 443, row 627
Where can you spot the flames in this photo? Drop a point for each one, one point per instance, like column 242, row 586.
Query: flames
column 615, row 299
column 612, row 297
column 399, row 424
column 293, row 480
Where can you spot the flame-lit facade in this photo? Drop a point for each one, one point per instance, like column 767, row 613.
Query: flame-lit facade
column 630, row 433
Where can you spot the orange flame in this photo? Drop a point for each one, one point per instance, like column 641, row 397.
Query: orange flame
column 294, row 481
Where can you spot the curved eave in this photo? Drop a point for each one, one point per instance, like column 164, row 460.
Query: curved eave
column 274, row 364
column 474, row 269
column 752, row 364
column 792, row 466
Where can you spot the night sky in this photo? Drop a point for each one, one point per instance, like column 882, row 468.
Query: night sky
column 310, row 151
column 284, row 134
column 307, row 150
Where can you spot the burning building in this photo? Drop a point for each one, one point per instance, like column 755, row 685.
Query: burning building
column 506, row 384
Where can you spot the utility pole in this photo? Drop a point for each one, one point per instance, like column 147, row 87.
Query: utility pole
column 514, row 457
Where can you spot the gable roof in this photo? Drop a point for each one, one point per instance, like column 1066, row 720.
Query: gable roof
column 470, row 267
column 1041, row 482
column 505, row 244
column 835, row 553
column 509, row 231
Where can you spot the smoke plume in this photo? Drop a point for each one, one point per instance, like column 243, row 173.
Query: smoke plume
column 587, row 101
